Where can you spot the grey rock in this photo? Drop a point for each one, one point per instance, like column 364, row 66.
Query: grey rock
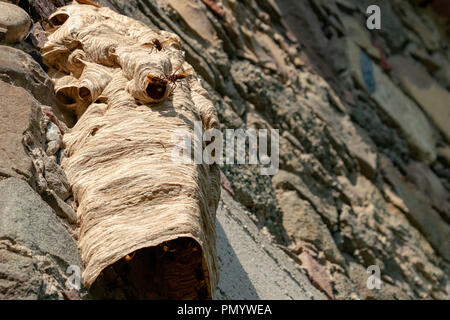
column 35, row 249
column 428, row 183
column 19, row 278
column 425, row 91
column 443, row 73
column 412, row 122
column 15, row 20
column 301, row 19
column 61, row 208
column 54, row 138
column 20, row 69
column 56, row 178
column 255, row 192
column 20, row 113
column 376, row 230
column 27, row 220
column 322, row 203
column 420, row 24
column 386, row 292
column 52, row 132
column 420, row 212
column 356, row 139
column 258, row 269
column 195, row 19
column 305, row 226
column 25, row 275
column 52, row 147
column 37, row 35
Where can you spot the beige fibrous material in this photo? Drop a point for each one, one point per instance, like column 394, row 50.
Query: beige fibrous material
column 131, row 90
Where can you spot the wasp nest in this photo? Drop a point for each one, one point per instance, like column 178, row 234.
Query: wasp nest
column 146, row 223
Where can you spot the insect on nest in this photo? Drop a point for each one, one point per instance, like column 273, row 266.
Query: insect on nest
column 159, row 46
column 159, row 87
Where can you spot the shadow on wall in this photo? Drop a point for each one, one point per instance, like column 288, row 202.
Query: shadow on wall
column 234, row 282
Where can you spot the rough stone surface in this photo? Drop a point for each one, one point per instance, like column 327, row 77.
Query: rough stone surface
column 16, row 22
column 426, row 91
column 60, row 207
column 420, row 212
column 364, row 169
column 401, row 109
column 376, row 230
column 302, row 223
column 258, row 269
column 20, row 69
column 317, row 274
column 56, row 178
column 20, row 112
column 31, row 222
column 195, row 18
column 35, row 249
column 429, row 184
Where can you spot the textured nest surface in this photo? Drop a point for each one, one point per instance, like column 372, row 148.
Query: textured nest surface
column 147, row 224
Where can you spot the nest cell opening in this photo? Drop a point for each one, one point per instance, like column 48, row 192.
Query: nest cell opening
column 84, row 93
column 59, row 19
column 157, row 90
column 64, row 98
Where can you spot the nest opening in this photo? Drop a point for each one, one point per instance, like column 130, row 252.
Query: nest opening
column 156, row 90
column 84, row 93
column 171, row 270
column 65, row 99
column 59, row 19
column 102, row 99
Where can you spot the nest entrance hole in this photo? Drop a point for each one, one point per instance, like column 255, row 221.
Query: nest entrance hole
column 84, row 93
column 157, row 89
column 170, row 271
column 59, row 19
column 65, row 98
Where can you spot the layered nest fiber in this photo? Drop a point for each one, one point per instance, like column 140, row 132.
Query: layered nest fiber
column 146, row 223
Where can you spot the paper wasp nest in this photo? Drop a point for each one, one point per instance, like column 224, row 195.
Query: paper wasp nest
column 147, row 224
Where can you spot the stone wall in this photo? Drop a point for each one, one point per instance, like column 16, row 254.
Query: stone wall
column 364, row 145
